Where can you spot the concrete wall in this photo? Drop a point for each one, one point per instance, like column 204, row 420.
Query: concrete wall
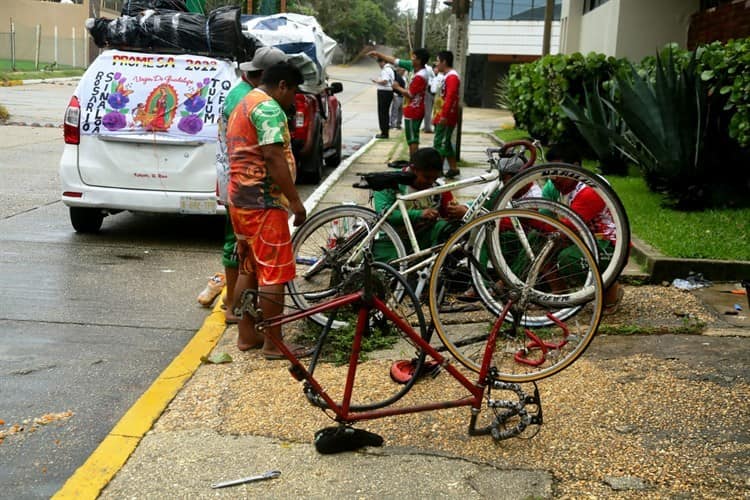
column 626, row 28
column 599, row 29
column 647, row 25
column 27, row 14
column 511, row 37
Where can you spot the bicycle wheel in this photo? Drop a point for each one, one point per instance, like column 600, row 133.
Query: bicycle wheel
column 324, row 248
column 613, row 258
column 372, row 385
column 485, row 290
column 544, row 285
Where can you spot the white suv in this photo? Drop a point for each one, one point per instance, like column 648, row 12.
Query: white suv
column 140, row 134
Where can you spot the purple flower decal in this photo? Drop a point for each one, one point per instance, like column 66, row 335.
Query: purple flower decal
column 190, row 124
column 117, row 100
column 114, row 120
column 206, row 81
column 195, row 104
column 118, row 75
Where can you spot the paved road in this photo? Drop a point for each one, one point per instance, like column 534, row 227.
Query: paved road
column 88, row 321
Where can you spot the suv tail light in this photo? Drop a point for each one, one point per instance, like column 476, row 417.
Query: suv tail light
column 301, row 121
column 71, row 129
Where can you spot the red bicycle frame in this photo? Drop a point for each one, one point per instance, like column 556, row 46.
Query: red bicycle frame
column 342, row 410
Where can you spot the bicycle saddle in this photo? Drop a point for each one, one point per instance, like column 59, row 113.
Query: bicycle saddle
column 344, row 438
column 377, row 181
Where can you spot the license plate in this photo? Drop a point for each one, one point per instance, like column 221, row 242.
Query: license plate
column 191, row 205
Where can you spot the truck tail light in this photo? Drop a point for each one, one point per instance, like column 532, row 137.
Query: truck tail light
column 71, row 124
column 301, row 120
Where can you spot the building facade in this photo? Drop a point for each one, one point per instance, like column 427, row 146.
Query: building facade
column 501, row 33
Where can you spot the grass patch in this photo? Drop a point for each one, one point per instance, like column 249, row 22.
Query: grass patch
column 709, row 234
column 511, row 134
column 26, row 70
column 337, row 346
column 39, row 75
column 687, row 328
column 722, row 234
column 4, row 115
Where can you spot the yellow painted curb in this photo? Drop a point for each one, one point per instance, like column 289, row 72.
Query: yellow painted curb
column 112, row 453
column 10, row 83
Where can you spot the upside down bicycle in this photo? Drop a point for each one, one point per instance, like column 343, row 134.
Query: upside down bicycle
column 505, row 355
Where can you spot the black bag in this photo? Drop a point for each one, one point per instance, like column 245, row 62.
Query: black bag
column 135, row 7
column 378, row 181
column 219, row 34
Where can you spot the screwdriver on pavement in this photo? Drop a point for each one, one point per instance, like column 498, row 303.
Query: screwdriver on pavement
column 272, row 474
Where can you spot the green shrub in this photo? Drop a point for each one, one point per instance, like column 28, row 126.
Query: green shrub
column 666, row 121
column 4, row 115
column 536, row 91
column 596, row 122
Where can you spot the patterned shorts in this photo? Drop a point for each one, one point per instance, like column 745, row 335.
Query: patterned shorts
column 264, row 244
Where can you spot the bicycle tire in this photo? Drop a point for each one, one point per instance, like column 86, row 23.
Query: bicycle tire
column 464, row 332
column 558, row 211
column 541, row 173
column 390, row 287
column 321, row 247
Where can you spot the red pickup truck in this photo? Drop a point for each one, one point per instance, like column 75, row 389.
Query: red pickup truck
column 316, row 132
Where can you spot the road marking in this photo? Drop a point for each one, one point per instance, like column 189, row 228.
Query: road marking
column 112, row 453
column 312, row 201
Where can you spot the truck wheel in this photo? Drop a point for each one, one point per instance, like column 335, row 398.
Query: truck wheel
column 86, row 220
column 335, row 159
column 312, row 166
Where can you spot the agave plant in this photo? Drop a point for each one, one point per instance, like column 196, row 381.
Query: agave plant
column 596, row 122
column 666, row 123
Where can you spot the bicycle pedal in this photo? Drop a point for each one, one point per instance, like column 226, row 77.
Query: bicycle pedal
column 247, row 305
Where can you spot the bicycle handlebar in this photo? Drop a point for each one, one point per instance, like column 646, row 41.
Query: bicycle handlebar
column 515, row 149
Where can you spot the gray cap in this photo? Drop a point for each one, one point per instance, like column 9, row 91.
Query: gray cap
column 511, row 165
column 264, row 58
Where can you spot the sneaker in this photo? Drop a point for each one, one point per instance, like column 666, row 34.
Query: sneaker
column 381, row 136
column 450, row 174
column 213, row 289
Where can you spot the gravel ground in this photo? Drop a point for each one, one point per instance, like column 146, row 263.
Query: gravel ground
column 621, row 422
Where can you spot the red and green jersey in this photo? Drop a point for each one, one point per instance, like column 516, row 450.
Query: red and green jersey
column 257, row 121
column 445, row 107
column 414, row 105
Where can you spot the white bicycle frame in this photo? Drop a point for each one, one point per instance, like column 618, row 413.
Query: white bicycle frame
column 491, row 178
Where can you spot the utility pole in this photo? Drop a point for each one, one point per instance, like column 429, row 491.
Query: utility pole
column 547, row 38
column 419, row 25
column 93, row 49
column 459, row 45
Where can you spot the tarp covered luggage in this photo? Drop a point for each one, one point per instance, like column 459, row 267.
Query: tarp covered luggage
column 217, row 35
column 301, row 38
column 135, row 7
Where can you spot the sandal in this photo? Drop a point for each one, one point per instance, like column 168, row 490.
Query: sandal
column 469, row 295
column 403, row 371
column 299, row 352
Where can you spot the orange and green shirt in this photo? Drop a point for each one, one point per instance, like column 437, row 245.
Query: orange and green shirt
column 258, row 120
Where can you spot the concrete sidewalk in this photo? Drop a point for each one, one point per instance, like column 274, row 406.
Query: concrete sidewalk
column 199, row 439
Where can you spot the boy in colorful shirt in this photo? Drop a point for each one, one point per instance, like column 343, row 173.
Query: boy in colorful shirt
column 261, row 190
column 252, row 72
column 414, row 95
column 445, row 110
column 433, row 218
column 590, row 207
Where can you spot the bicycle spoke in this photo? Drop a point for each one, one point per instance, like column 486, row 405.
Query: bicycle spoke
column 535, row 337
